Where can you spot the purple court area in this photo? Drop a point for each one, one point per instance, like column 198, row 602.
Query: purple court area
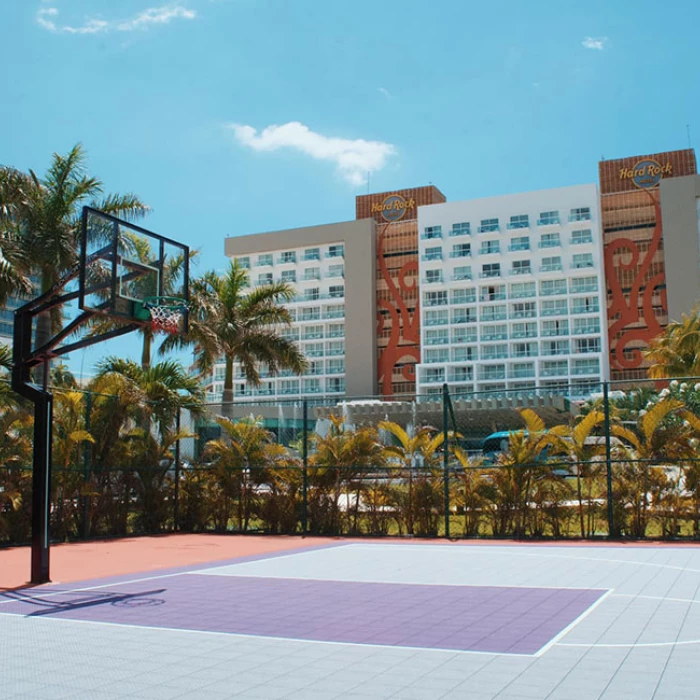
column 464, row 618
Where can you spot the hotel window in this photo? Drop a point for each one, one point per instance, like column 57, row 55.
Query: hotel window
column 554, row 368
column 581, row 260
column 312, row 313
column 464, row 315
column 584, row 305
column 433, row 276
column 244, row 262
column 289, row 275
column 586, row 345
column 588, row 366
column 525, row 349
column 432, row 232
column 550, row 240
column 523, row 330
column 461, row 250
column 494, row 352
column 488, row 225
column 581, row 236
column 289, row 386
column 436, row 355
column 582, row 285
column 434, row 253
column 312, row 273
column 523, row 309
column 521, row 267
column 437, row 336
column 550, row 288
column 312, row 254
column 461, row 229
column 586, row 326
column 312, row 333
column 311, row 386
column 463, row 334
column 519, row 243
column 464, row 296
column 464, row 354
column 335, row 367
column 435, row 299
column 311, row 294
column 552, row 264
column 288, row 256
column 335, row 251
column 335, row 347
column 314, row 350
column 336, row 385
column 336, row 270
column 336, row 291
column 436, row 317
column 522, row 369
column 580, row 214
column 336, row 330
column 548, row 218
column 498, row 312
column 523, row 290
column 434, row 374
column 490, row 247
column 497, row 332
column 553, row 307
column 553, row 328
column 462, row 374
column 487, row 372
column 334, row 311
column 491, row 270
column 496, row 292
column 519, row 221
column 264, row 278
column 462, row 273
column 265, row 260
column 555, row 347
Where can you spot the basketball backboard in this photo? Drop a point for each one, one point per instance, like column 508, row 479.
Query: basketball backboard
column 122, row 265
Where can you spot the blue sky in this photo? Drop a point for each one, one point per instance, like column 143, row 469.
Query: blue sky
column 239, row 116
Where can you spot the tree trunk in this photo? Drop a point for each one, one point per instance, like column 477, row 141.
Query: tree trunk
column 146, row 350
column 227, row 398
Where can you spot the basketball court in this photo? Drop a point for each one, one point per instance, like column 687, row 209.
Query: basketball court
column 362, row 619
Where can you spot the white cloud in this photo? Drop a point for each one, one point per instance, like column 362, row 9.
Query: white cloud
column 385, row 92
column 46, row 17
column 595, row 44
column 353, row 158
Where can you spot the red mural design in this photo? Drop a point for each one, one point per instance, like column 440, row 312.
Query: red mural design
column 624, row 312
column 404, row 325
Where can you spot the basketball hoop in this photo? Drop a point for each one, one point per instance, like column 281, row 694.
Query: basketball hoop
column 166, row 313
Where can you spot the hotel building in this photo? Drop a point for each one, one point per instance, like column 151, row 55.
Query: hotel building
column 512, row 293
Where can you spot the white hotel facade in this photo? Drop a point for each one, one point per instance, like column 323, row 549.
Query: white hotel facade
column 513, row 293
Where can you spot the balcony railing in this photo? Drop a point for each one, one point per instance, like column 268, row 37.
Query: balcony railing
column 527, row 313
column 557, row 311
column 591, row 309
column 437, row 341
column 518, row 224
column 437, row 321
column 489, row 228
column 518, row 246
column 490, row 273
column 556, row 267
column 461, row 254
column 490, row 250
column 460, row 232
column 493, row 336
column 427, row 257
column 586, row 289
column 584, row 216
column 554, row 371
column 427, row 236
column 553, row 221
column 520, row 271
column 549, row 244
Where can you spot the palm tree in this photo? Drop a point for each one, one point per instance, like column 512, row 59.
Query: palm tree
column 664, row 435
column 676, row 352
column 44, row 220
column 579, row 445
column 229, row 320
column 411, row 450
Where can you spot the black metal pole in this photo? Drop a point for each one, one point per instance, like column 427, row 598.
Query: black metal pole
column 41, row 487
column 86, row 468
column 304, row 466
column 608, row 457
column 176, row 494
column 446, row 457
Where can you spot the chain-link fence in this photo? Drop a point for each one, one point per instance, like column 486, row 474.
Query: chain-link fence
column 524, row 463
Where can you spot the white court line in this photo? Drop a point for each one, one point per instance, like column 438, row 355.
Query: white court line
column 239, row 635
column 555, row 640
column 596, row 645
column 656, row 597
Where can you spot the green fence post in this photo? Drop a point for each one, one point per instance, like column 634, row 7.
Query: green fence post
column 86, row 468
column 608, row 457
column 446, row 457
column 176, row 493
column 305, row 464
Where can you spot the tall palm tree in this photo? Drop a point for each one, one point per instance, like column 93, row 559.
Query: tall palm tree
column 230, row 320
column 676, row 352
column 44, row 218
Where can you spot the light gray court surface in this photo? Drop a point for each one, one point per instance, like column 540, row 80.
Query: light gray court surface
column 640, row 640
